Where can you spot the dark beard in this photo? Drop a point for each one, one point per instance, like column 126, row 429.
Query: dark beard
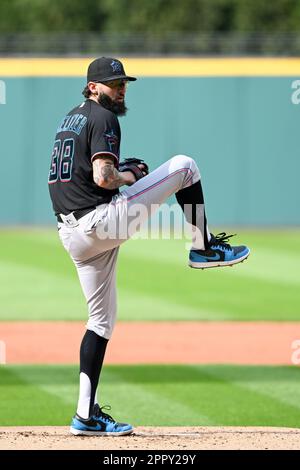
column 119, row 109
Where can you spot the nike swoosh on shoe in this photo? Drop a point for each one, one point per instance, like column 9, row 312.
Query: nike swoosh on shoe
column 94, row 428
column 216, row 257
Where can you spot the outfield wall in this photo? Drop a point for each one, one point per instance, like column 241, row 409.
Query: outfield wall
column 238, row 118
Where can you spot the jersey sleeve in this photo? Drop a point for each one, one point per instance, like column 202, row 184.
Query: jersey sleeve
column 104, row 136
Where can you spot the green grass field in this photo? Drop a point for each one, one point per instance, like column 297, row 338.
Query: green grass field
column 39, row 282
column 156, row 395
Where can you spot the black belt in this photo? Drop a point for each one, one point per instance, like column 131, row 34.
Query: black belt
column 78, row 214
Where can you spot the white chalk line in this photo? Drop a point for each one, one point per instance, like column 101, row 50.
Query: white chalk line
column 201, row 433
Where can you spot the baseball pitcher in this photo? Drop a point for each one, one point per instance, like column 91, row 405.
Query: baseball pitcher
column 93, row 216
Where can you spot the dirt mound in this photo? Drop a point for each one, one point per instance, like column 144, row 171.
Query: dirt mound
column 152, row 438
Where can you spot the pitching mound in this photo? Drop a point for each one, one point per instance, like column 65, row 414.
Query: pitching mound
column 152, row 438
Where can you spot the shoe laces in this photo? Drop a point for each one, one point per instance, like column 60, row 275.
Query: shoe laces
column 100, row 414
column 221, row 239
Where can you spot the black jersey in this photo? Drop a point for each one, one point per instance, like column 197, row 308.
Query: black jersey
column 88, row 130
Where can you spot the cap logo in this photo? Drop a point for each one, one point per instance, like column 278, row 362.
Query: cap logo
column 116, row 66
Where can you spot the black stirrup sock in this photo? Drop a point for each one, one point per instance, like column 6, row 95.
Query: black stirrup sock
column 92, row 352
column 190, row 199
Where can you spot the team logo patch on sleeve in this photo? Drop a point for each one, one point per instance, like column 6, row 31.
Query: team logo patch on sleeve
column 111, row 139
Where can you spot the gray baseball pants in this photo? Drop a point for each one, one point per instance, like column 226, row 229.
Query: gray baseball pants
column 93, row 241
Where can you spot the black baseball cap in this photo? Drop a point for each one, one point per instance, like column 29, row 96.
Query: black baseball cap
column 105, row 69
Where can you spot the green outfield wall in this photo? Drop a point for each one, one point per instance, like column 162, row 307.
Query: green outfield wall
column 242, row 129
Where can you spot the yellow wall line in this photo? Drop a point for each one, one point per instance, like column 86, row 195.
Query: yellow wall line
column 154, row 67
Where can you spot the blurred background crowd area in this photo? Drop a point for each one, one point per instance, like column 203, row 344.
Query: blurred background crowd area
column 150, row 27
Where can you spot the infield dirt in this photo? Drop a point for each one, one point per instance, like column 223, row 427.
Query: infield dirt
column 152, row 438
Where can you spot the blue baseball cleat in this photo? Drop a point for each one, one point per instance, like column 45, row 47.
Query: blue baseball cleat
column 100, row 424
column 219, row 253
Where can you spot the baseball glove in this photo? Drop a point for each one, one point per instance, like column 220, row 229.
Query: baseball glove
column 131, row 164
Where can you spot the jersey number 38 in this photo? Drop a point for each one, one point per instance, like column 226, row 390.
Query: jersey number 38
column 62, row 161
